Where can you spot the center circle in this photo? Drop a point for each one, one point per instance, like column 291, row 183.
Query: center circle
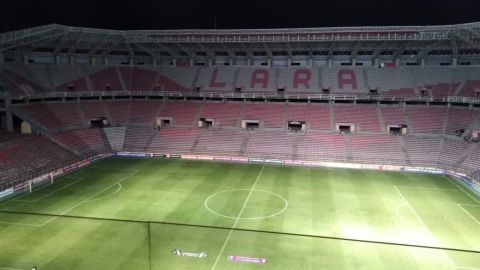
column 231, row 203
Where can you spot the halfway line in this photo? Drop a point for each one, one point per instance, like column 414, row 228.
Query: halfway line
column 238, row 218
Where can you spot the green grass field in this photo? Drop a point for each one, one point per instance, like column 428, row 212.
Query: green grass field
column 132, row 213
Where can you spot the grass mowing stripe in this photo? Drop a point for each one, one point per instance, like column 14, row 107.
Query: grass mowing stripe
column 249, row 230
column 49, row 194
column 99, row 192
column 149, row 246
column 238, row 218
column 411, row 208
column 423, row 223
column 453, row 182
column 89, row 198
column 468, row 213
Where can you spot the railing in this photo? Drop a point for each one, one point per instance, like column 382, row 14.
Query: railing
column 231, row 95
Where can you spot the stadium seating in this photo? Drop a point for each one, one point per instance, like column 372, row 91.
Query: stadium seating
column 118, row 111
column 471, row 89
column 138, row 79
column 219, row 141
column 106, row 79
column 138, row 138
column 261, row 144
column 316, row 116
column 427, row 120
column 458, row 119
column 272, row 115
column 173, row 140
column 143, row 111
column 225, row 114
column 216, row 79
column 387, row 149
column 364, row 116
column 322, row 146
column 84, row 142
column 30, row 158
column 423, row 151
column 182, row 113
column 399, row 81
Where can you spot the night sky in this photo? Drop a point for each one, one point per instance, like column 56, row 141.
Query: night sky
column 191, row 14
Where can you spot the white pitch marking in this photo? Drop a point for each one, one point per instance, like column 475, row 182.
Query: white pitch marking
column 427, row 188
column 411, row 208
column 471, row 205
column 401, row 216
column 423, row 224
column 453, row 182
column 250, row 218
column 91, row 197
column 109, row 195
column 113, row 169
column 49, row 194
column 21, row 224
column 8, row 268
column 468, row 213
column 76, row 205
column 238, row 218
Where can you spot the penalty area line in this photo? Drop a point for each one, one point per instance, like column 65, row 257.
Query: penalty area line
column 51, row 193
column 78, row 204
column 411, row 208
column 457, row 185
column 468, row 213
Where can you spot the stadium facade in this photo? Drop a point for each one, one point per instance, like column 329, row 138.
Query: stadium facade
column 372, row 97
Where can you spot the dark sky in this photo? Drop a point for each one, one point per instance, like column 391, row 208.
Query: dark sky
column 180, row 14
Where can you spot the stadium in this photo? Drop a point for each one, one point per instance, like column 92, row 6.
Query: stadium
column 295, row 148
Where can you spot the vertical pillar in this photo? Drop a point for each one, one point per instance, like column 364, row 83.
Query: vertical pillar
column 209, row 62
column 289, row 62
column 106, row 61
column 354, row 61
column 1, row 57
column 249, row 61
column 310, row 62
column 376, row 62
column 130, row 61
column 397, row 62
column 8, row 116
column 230, row 62
column 269, row 62
column 25, row 59
column 93, row 61
column 330, row 62
column 174, row 62
column 71, row 60
column 58, row 60
column 154, row 61
column 454, row 61
column 422, row 62
column 190, row 62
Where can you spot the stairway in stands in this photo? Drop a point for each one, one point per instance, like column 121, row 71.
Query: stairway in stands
column 467, row 154
column 106, row 143
column 348, row 148
column 383, row 127
column 243, row 146
column 404, row 150
column 115, row 137
column 295, row 145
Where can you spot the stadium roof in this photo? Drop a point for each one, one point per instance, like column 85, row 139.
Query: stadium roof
column 61, row 39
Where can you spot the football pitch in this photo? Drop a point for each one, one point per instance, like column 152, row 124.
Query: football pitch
column 127, row 213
